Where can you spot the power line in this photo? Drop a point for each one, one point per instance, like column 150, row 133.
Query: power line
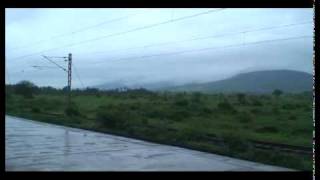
column 54, row 63
column 198, row 50
column 78, row 76
column 205, row 37
column 40, row 67
column 77, row 31
column 123, row 32
column 202, row 38
column 206, row 49
column 58, row 57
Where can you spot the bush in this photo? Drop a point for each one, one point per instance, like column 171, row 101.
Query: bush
column 242, row 98
column 35, row 110
column 72, row 110
column 256, row 111
column 186, row 134
column 235, row 144
column 8, row 96
column 179, row 115
column 267, row 129
column 289, row 106
column 244, row 117
column 279, row 158
column 225, row 106
column 56, row 102
column 277, row 92
column 46, row 104
column 275, row 110
column 292, row 117
column 107, row 118
column 155, row 113
column 137, row 106
column 265, row 97
column 145, row 122
column 196, row 97
column 26, row 89
column 256, row 102
column 308, row 108
column 112, row 117
column 207, row 110
column 301, row 132
column 181, row 102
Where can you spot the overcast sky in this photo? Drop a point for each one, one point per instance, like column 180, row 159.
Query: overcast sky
column 108, row 47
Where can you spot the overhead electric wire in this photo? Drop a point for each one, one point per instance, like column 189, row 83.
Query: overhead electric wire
column 58, row 57
column 39, row 67
column 76, row 31
column 55, row 63
column 77, row 74
column 201, row 38
column 205, row 49
column 205, row 37
column 123, row 32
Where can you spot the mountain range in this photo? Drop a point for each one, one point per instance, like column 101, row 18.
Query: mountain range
column 255, row 82
column 265, row 81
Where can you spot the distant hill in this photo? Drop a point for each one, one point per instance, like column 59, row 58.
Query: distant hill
column 255, row 82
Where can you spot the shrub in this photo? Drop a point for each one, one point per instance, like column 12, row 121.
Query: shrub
column 242, row 98
column 8, row 96
column 280, row 158
column 186, row 134
column 301, row 132
column 244, row 117
column 298, row 106
column 289, row 106
column 277, row 92
column 35, row 110
column 111, row 117
column 181, row 102
column 25, row 88
column 107, row 118
column 133, row 106
column 155, row 113
column 72, row 110
column 196, row 97
column 256, row 111
column 225, row 106
column 56, row 102
column 235, row 144
column 207, row 110
column 145, row 121
column 292, row 117
column 256, row 102
column 275, row 110
column 307, row 108
column 179, row 115
column 226, row 126
column 267, row 129
column 264, row 97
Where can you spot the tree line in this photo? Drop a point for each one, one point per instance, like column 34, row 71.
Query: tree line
column 29, row 89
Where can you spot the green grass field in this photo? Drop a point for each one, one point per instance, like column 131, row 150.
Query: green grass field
column 186, row 119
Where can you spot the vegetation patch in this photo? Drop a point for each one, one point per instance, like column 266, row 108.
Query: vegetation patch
column 184, row 119
column 267, row 129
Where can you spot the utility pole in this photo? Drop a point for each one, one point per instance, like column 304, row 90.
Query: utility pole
column 69, row 77
column 68, row 70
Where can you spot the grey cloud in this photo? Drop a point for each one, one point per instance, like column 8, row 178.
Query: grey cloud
column 25, row 26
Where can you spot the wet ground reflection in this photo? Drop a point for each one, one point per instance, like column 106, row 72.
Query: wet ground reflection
column 39, row 146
